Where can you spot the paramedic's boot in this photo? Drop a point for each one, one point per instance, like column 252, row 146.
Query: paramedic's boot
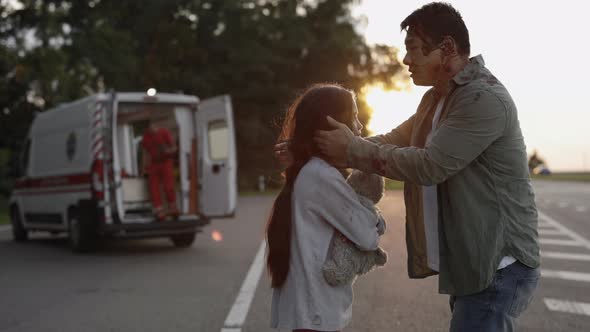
column 159, row 213
column 173, row 211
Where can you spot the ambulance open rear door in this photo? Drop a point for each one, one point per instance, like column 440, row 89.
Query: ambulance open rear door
column 217, row 162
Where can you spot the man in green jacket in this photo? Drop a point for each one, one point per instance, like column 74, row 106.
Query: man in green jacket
column 471, row 214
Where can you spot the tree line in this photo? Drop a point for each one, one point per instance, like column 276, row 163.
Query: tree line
column 261, row 52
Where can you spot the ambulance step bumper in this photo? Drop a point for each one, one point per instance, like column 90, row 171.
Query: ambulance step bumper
column 153, row 229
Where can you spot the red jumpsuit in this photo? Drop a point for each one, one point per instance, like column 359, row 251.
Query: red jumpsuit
column 160, row 168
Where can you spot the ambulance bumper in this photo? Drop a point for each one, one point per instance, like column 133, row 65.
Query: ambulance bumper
column 153, row 229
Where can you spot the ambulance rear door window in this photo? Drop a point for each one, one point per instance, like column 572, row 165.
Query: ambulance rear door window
column 218, row 135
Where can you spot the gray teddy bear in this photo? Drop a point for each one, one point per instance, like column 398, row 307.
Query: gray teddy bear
column 344, row 260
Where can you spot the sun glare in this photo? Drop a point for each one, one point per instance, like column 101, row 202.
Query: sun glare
column 389, row 108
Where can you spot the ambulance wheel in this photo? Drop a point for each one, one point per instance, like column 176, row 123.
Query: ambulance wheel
column 19, row 233
column 183, row 240
column 81, row 235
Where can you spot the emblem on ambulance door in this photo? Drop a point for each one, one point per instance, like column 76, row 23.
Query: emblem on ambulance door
column 71, row 146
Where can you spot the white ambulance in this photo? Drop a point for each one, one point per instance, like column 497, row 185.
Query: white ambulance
column 81, row 168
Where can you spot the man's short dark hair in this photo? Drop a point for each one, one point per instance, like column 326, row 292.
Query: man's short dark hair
column 434, row 21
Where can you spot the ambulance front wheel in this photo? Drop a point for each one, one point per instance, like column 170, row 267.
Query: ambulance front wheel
column 183, row 240
column 81, row 235
column 19, row 233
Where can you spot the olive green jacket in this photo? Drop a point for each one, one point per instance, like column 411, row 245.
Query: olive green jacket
column 477, row 158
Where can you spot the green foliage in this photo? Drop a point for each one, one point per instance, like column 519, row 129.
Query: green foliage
column 4, row 217
column 535, row 161
column 262, row 53
column 5, row 168
column 393, row 184
column 576, row 177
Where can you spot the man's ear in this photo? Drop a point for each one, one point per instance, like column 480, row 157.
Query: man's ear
column 448, row 46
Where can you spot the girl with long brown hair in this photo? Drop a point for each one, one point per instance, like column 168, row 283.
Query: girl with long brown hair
column 314, row 202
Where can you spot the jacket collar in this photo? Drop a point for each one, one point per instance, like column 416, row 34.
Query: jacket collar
column 471, row 71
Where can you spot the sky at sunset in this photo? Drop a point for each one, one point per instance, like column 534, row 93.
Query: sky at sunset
column 538, row 49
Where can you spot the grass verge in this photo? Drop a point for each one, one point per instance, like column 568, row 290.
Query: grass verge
column 3, row 210
column 578, row 177
column 393, row 185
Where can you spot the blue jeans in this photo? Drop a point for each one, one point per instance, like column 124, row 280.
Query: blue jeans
column 496, row 307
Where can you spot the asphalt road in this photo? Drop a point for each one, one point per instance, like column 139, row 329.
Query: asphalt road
column 219, row 283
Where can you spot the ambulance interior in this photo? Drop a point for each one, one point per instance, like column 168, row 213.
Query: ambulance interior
column 132, row 196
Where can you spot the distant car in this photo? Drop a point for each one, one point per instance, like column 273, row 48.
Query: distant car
column 541, row 170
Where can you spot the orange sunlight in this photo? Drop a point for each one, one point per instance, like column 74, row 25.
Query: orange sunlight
column 389, row 108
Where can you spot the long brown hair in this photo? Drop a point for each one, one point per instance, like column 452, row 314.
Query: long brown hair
column 305, row 115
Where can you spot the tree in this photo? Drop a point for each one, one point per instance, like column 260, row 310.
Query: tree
column 260, row 52
column 535, row 160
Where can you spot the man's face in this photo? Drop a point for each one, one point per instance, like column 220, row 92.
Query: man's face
column 425, row 68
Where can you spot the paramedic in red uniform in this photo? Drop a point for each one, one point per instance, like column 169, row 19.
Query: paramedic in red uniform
column 158, row 162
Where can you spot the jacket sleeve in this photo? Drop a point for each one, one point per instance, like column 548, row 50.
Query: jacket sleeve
column 337, row 203
column 475, row 121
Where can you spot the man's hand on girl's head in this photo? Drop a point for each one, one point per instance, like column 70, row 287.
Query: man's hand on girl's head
column 334, row 143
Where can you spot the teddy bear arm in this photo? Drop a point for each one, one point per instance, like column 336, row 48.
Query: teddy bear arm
column 338, row 267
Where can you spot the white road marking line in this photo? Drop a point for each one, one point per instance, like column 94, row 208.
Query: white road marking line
column 563, row 204
column 4, row 228
column 561, row 242
column 566, row 275
column 239, row 311
column 549, row 232
column 581, row 208
column 571, row 307
column 565, row 255
column 565, row 230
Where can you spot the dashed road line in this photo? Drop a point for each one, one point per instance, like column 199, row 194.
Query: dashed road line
column 549, row 232
column 543, row 224
column 561, row 242
column 581, row 208
column 566, row 275
column 565, row 256
column 563, row 204
column 579, row 308
column 557, row 305
column 582, row 241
